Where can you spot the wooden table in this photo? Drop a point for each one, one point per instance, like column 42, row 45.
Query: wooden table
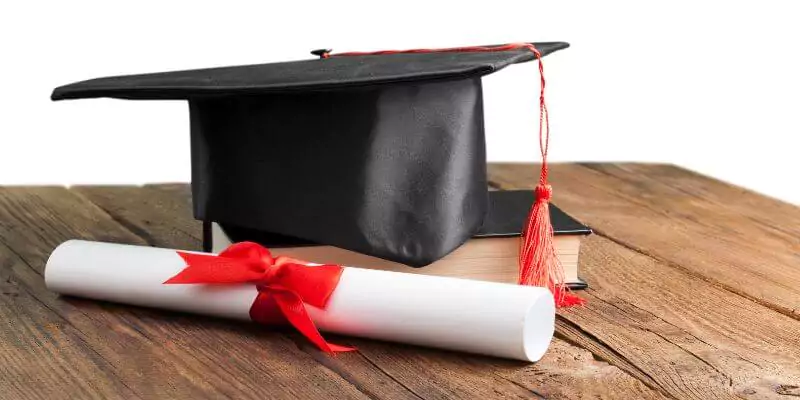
column 694, row 293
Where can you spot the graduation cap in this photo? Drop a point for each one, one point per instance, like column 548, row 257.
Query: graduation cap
column 381, row 153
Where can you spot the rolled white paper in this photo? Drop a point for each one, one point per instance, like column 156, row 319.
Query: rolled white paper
column 488, row 318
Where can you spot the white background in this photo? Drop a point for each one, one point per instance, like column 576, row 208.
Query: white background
column 712, row 86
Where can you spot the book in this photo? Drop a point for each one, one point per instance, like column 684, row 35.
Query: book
column 491, row 255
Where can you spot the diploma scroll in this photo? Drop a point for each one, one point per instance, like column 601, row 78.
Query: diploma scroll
column 488, row 318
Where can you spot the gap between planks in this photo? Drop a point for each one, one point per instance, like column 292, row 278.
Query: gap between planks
column 791, row 313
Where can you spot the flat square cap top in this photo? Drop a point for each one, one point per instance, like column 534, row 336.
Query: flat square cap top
column 382, row 153
column 315, row 74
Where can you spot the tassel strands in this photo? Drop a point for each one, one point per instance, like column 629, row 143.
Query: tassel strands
column 538, row 263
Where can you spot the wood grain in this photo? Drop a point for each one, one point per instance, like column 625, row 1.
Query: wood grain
column 161, row 215
column 566, row 372
column 693, row 294
column 154, row 354
column 41, row 353
column 664, row 315
column 719, row 233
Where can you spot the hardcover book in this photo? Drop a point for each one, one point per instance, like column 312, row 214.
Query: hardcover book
column 491, row 254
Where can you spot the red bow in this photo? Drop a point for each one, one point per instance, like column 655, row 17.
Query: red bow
column 284, row 284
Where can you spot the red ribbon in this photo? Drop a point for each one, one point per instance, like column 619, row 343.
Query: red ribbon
column 284, row 285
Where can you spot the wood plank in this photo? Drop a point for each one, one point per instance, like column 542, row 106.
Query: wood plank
column 774, row 215
column 41, row 353
column 655, row 319
column 566, row 371
column 725, row 235
column 154, row 354
column 159, row 214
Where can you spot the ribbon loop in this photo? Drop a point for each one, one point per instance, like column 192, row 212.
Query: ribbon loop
column 284, row 285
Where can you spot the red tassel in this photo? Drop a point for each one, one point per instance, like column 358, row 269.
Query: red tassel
column 538, row 264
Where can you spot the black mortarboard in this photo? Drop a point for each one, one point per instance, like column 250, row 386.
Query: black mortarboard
column 382, row 154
